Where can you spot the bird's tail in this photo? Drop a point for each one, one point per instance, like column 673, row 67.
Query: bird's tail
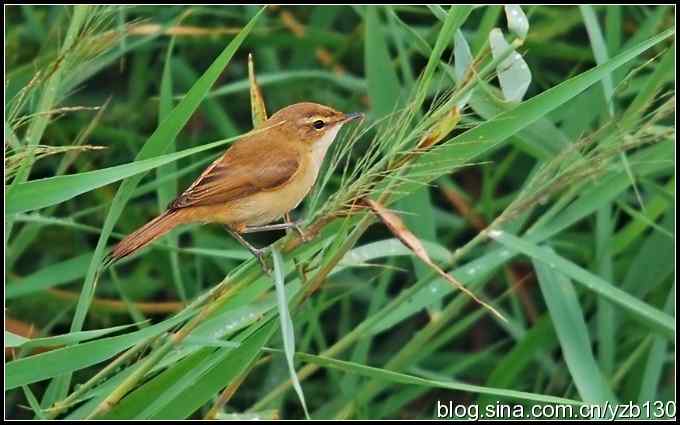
column 143, row 236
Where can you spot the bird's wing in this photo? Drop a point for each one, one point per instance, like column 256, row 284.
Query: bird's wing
column 245, row 169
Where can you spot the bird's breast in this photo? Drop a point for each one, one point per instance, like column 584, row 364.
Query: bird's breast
column 268, row 206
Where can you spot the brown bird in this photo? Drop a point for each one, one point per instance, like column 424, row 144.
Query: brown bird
column 258, row 180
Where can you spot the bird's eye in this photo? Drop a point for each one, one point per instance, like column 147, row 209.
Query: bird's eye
column 318, row 124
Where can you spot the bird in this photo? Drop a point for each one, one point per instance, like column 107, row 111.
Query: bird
column 258, row 180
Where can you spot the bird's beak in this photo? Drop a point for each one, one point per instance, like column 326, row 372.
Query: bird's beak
column 352, row 116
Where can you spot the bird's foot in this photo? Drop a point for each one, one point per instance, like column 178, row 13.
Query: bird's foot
column 296, row 226
column 261, row 257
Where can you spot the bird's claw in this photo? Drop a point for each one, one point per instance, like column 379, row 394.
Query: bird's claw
column 301, row 233
column 260, row 254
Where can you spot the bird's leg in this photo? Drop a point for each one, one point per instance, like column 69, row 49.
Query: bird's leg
column 296, row 226
column 268, row 227
column 287, row 224
column 259, row 253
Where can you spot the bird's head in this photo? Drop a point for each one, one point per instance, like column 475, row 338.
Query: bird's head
column 311, row 123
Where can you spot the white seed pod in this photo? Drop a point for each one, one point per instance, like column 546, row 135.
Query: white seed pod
column 513, row 72
column 462, row 62
column 517, row 20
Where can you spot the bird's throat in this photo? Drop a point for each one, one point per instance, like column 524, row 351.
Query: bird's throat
column 320, row 147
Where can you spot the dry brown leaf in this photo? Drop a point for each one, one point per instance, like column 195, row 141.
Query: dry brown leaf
column 257, row 105
column 27, row 330
column 148, row 308
column 298, row 29
column 441, row 129
column 399, row 229
column 396, row 225
column 179, row 30
column 436, row 134
column 292, row 24
column 464, row 208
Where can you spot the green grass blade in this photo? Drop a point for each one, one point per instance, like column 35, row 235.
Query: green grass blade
column 188, row 365
column 655, row 360
column 69, row 359
column 53, row 275
column 14, row 340
column 33, row 402
column 68, row 338
column 168, row 190
column 48, row 99
column 481, row 268
column 487, row 22
column 613, row 28
column 154, row 146
column 229, row 369
column 657, row 253
column 383, row 85
column 540, row 338
column 572, row 331
column 491, row 134
column 653, row 84
column 454, row 19
column 649, row 161
column 600, row 52
column 402, row 378
column 214, row 112
column 653, row 317
column 603, row 265
column 287, row 329
column 42, row 193
column 345, row 81
column 633, row 230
